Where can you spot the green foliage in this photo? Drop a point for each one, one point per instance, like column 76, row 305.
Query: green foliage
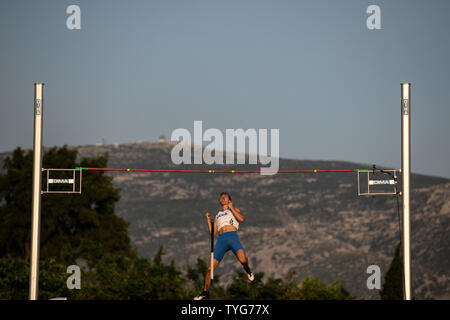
column 314, row 289
column 14, row 278
column 15, row 273
column 15, row 211
column 393, row 282
column 116, row 277
column 310, row 289
column 66, row 221
column 113, row 277
column 195, row 280
column 272, row 289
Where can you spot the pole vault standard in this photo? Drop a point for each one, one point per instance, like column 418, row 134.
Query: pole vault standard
column 406, row 186
column 37, row 184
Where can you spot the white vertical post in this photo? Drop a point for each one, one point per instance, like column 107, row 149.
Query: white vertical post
column 406, row 187
column 36, row 195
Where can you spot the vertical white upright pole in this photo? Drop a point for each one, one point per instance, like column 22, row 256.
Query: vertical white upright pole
column 36, row 195
column 406, row 187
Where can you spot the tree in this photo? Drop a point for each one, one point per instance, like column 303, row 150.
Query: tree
column 277, row 289
column 15, row 273
column 15, row 208
column 314, row 289
column 393, row 281
column 71, row 224
column 116, row 277
column 195, row 281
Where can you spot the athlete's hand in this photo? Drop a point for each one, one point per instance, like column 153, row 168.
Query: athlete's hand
column 208, row 216
column 230, row 205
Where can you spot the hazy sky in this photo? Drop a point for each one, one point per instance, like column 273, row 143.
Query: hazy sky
column 312, row 69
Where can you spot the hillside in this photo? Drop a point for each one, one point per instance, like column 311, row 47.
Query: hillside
column 311, row 224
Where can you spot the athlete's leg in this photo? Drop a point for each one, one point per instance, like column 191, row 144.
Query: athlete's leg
column 238, row 250
column 241, row 256
column 208, row 274
column 205, row 293
column 221, row 247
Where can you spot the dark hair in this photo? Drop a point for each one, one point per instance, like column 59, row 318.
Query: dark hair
column 229, row 197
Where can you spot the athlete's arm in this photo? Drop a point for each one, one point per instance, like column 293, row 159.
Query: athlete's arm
column 215, row 226
column 208, row 220
column 236, row 212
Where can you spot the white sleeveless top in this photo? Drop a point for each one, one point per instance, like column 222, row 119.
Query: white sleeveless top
column 226, row 218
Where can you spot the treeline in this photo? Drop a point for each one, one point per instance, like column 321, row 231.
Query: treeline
column 116, row 277
column 84, row 230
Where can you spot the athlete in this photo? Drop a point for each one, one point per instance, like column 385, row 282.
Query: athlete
column 226, row 224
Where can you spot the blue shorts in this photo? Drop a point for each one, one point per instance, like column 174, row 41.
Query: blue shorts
column 227, row 241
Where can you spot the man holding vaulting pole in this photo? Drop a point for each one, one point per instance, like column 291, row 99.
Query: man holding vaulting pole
column 226, row 224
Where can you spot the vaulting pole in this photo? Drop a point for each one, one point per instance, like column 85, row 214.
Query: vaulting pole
column 212, row 249
column 406, row 187
column 212, row 258
column 36, row 195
